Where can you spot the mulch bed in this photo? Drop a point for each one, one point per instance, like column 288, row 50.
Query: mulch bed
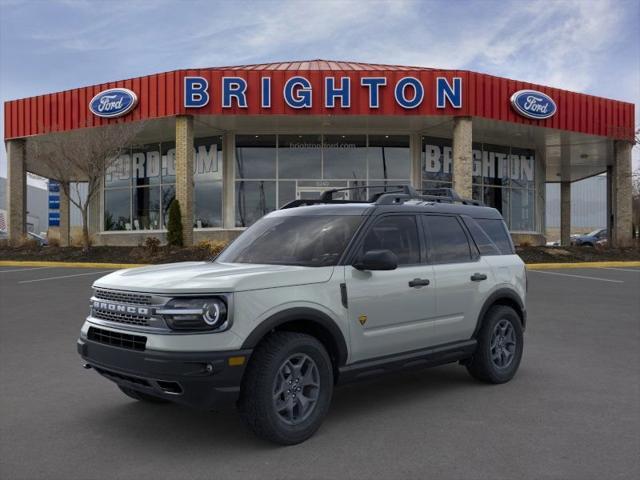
column 105, row 254
column 172, row 254
column 577, row 254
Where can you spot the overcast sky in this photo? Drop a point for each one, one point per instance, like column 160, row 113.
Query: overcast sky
column 581, row 45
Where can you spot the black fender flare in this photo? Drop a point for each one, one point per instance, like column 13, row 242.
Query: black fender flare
column 502, row 294
column 312, row 315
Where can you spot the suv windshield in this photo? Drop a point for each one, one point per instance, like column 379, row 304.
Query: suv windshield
column 310, row 241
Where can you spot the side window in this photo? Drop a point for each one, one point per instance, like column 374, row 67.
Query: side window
column 483, row 242
column 398, row 233
column 448, row 243
column 498, row 233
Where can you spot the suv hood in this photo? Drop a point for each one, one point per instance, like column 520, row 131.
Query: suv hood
column 211, row 277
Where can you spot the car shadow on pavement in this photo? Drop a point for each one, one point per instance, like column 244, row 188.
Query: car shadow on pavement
column 135, row 423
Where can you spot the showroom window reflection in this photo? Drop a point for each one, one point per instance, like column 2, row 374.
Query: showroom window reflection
column 503, row 178
column 272, row 170
column 140, row 186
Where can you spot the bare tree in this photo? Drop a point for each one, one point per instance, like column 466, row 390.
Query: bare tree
column 82, row 156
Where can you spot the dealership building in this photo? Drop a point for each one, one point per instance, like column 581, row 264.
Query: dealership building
column 234, row 143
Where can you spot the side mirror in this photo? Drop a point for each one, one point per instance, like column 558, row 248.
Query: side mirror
column 377, row 260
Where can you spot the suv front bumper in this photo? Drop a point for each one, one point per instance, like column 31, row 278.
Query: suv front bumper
column 205, row 380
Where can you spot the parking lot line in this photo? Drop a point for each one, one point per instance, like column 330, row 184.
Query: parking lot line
column 637, row 270
column 23, row 269
column 66, row 276
column 578, row 276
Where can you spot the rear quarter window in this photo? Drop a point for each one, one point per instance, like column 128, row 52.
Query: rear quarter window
column 497, row 231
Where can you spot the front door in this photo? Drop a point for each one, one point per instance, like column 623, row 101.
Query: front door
column 391, row 311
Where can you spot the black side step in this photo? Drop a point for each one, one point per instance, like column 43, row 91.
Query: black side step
column 427, row 357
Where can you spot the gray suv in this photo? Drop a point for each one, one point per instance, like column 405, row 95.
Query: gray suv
column 316, row 294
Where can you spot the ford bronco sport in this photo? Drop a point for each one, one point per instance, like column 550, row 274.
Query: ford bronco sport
column 316, row 294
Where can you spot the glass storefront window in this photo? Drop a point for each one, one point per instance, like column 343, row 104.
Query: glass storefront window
column 345, row 156
column 256, row 156
column 389, row 157
column 207, row 178
column 146, row 165
column 208, row 200
column 436, row 161
column 168, row 162
column 254, row 199
column 300, row 156
column 151, row 170
column 502, row 176
column 495, row 165
column 117, row 205
column 522, row 210
column 118, row 174
column 168, row 194
column 146, row 208
column 522, row 167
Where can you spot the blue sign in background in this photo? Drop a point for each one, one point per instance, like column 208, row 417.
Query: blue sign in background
column 54, row 219
column 54, row 203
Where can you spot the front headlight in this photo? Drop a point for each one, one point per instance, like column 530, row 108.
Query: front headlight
column 196, row 314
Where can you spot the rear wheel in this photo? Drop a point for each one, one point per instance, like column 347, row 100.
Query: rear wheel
column 500, row 345
column 143, row 397
column 287, row 388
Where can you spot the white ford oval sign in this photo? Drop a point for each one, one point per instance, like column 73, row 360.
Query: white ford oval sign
column 114, row 102
column 533, row 104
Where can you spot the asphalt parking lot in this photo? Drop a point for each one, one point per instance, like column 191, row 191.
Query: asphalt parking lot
column 572, row 412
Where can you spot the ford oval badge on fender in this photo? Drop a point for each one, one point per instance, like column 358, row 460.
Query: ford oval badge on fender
column 114, row 102
column 533, row 104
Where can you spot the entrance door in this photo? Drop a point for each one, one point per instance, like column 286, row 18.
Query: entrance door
column 391, row 311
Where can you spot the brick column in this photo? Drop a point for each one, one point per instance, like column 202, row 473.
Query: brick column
column 65, row 218
column 16, row 191
column 462, row 156
column 184, row 174
column 415, row 147
column 565, row 213
column 228, row 180
column 621, row 184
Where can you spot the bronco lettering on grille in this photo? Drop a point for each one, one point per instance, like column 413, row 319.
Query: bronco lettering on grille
column 115, row 307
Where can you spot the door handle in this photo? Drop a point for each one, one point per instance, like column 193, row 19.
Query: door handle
column 478, row 277
column 419, row 282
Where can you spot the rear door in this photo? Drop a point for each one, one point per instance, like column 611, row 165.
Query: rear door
column 462, row 278
column 391, row 311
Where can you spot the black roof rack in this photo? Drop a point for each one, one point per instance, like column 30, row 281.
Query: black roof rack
column 400, row 194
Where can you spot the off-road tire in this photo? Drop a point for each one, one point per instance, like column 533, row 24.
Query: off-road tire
column 143, row 397
column 482, row 366
column 256, row 403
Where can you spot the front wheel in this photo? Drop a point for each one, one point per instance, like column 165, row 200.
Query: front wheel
column 287, row 388
column 500, row 345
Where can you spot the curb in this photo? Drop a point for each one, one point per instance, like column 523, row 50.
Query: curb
column 530, row 266
column 553, row 266
column 19, row 263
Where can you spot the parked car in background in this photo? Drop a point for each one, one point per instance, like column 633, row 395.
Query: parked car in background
column 41, row 239
column 590, row 239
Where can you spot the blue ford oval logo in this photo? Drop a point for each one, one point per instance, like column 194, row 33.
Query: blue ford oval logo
column 114, row 102
column 533, row 104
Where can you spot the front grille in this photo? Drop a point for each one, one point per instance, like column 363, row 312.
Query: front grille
column 123, row 297
column 116, row 339
column 128, row 318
